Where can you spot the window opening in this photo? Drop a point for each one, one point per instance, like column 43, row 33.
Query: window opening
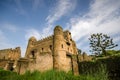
column 62, row 45
column 50, row 47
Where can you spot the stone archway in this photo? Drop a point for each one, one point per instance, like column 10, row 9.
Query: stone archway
column 10, row 66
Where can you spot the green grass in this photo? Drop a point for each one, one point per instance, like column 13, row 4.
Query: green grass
column 53, row 75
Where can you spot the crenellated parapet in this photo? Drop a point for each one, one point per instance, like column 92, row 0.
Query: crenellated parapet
column 17, row 49
column 44, row 40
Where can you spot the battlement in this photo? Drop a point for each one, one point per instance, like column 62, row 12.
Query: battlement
column 10, row 50
column 57, row 51
column 44, row 39
column 10, row 53
column 5, row 50
column 66, row 31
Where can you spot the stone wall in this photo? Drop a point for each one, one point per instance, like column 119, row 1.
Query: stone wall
column 53, row 52
column 64, row 48
column 43, row 62
column 3, row 63
column 21, row 65
column 40, row 46
column 12, row 54
column 84, row 57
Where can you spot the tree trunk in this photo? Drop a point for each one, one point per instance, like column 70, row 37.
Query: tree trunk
column 104, row 51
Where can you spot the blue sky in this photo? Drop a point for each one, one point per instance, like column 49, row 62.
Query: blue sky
column 21, row 19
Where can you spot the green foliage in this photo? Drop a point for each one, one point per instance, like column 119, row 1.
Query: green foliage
column 1, row 69
column 100, row 42
column 113, row 52
column 103, row 66
column 8, row 75
column 48, row 75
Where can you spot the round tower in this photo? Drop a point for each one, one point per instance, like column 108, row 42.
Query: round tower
column 57, row 45
column 30, row 45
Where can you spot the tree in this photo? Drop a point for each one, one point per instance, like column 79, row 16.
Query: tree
column 100, row 43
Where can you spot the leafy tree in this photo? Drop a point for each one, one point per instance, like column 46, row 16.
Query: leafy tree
column 100, row 42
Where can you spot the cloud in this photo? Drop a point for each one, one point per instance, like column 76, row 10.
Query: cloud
column 103, row 16
column 32, row 32
column 10, row 27
column 36, row 34
column 61, row 8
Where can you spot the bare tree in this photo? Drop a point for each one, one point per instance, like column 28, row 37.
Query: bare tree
column 100, row 42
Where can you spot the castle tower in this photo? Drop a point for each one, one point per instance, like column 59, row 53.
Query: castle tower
column 58, row 45
column 31, row 42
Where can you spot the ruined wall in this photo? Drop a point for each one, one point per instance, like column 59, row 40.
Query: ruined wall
column 3, row 63
column 43, row 62
column 12, row 54
column 8, row 55
column 84, row 57
column 21, row 65
column 75, row 64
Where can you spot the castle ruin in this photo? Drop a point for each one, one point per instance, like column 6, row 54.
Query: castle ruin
column 57, row 51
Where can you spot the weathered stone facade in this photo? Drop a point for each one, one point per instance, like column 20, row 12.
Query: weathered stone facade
column 84, row 57
column 8, row 57
column 54, row 52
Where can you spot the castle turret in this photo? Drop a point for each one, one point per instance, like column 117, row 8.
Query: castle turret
column 58, row 45
column 31, row 42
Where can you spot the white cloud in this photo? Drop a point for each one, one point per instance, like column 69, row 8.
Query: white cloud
column 10, row 27
column 103, row 16
column 32, row 32
column 117, row 39
column 29, row 33
column 36, row 34
column 61, row 8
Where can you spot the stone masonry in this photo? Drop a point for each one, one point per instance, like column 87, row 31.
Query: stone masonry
column 57, row 51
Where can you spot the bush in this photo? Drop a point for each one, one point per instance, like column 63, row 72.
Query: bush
column 105, row 66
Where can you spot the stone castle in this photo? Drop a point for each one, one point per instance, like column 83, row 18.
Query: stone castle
column 57, row 52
